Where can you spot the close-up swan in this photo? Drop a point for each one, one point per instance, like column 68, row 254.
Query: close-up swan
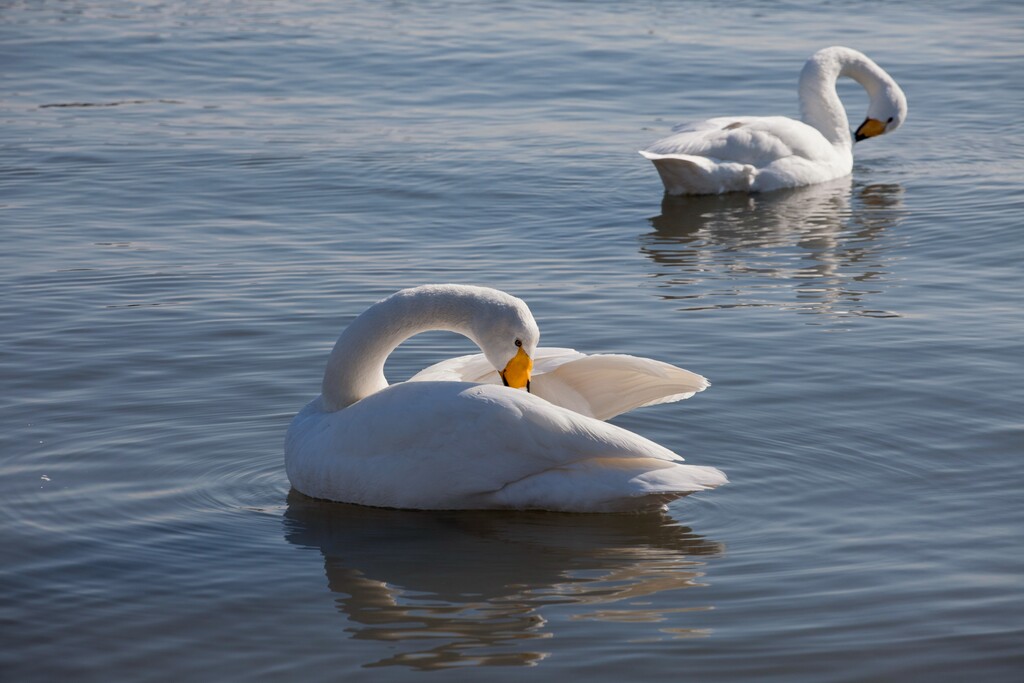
column 762, row 153
column 516, row 427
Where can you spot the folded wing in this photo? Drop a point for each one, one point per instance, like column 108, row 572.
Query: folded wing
column 600, row 386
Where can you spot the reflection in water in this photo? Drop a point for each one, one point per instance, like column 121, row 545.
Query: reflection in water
column 473, row 588
column 827, row 243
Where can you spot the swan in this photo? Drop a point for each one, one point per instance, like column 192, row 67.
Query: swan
column 762, row 153
column 515, row 427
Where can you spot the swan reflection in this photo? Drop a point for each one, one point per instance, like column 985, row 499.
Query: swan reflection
column 487, row 588
column 820, row 249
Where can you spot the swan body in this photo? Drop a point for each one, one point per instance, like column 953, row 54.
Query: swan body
column 453, row 437
column 763, row 153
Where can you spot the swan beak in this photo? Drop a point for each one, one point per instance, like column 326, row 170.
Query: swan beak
column 869, row 129
column 517, row 373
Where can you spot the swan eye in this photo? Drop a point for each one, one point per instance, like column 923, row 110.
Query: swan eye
column 518, row 342
column 890, row 120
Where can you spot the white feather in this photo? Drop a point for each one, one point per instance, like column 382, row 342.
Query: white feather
column 442, row 442
column 757, row 154
column 600, row 386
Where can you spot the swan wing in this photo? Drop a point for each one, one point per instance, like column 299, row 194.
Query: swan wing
column 453, row 445
column 599, row 386
column 612, row 384
column 754, row 140
column 472, row 368
column 707, row 124
column 476, row 368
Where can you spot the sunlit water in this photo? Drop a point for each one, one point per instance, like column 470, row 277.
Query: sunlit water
column 196, row 198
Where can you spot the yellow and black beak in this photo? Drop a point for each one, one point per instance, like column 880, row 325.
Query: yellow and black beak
column 869, row 129
column 517, row 373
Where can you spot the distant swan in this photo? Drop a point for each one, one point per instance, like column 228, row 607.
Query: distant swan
column 444, row 440
column 761, row 153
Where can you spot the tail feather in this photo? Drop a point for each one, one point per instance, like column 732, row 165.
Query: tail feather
column 688, row 174
column 608, row 485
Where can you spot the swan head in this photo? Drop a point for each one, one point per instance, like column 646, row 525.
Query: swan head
column 504, row 329
column 886, row 113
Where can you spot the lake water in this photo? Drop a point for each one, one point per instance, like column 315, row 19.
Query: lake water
column 196, row 197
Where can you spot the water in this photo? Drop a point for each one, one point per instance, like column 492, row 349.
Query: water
column 197, row 197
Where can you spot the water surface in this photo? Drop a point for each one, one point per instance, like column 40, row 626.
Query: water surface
column 195, row 198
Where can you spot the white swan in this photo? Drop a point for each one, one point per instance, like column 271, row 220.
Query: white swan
column 762, row 153
column 445, row 441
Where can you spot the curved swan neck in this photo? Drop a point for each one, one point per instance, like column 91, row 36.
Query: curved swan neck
column 820, row 105
column 355, row 368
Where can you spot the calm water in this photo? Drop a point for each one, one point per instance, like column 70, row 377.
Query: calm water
column 196, row 197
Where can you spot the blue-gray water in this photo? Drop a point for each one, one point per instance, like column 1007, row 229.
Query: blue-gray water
column 196, row 197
